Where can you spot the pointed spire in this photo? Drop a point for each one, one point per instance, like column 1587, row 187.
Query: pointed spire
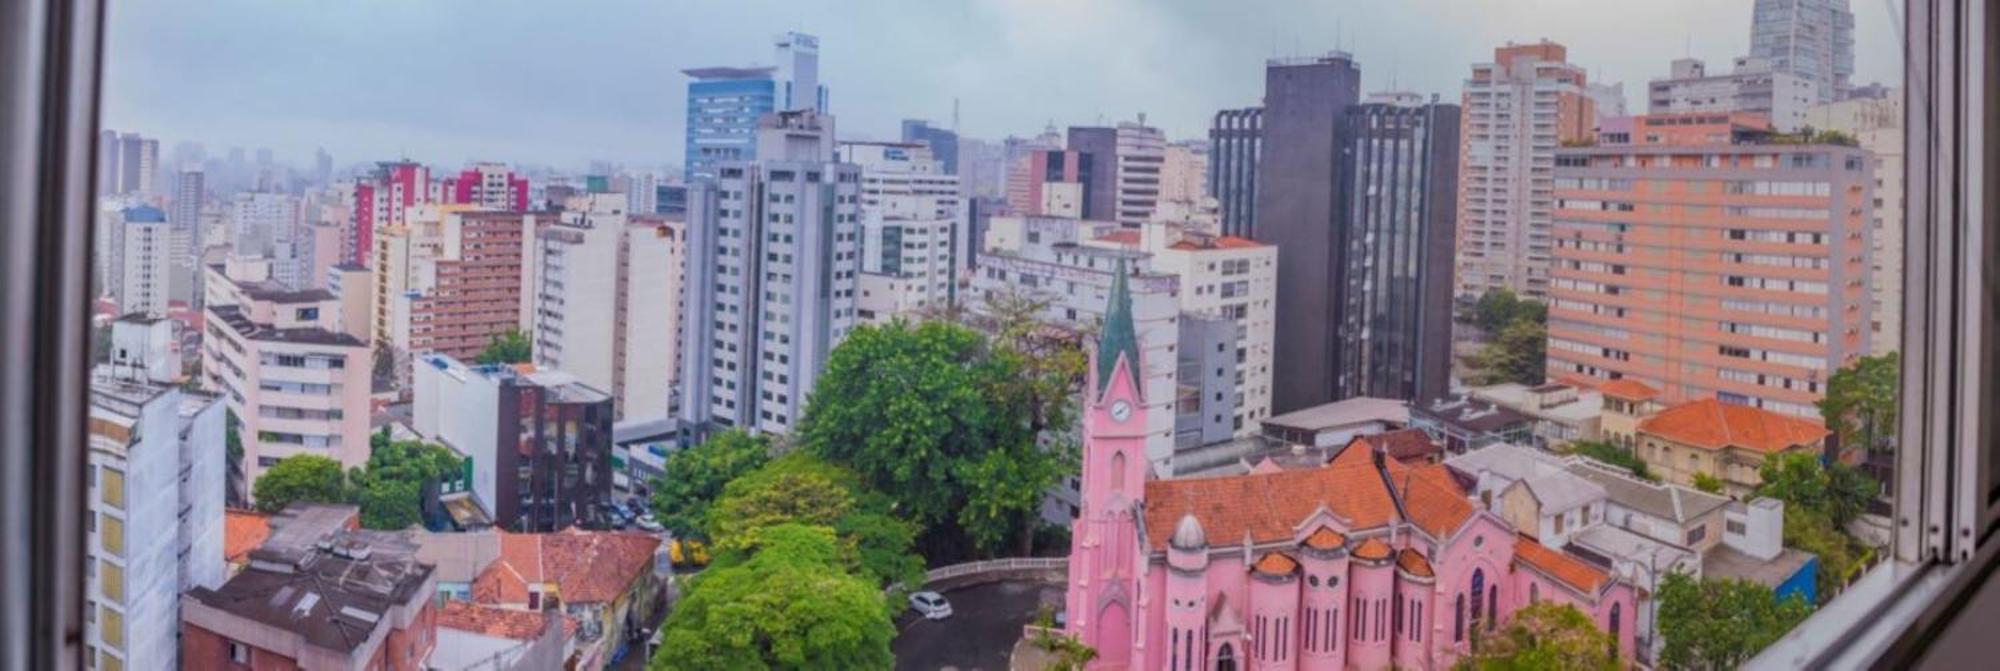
column 1118, row 339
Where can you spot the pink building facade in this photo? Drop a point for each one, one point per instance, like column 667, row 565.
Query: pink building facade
column 1362, row 562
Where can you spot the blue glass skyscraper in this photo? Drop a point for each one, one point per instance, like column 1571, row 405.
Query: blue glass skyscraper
column 724, row 103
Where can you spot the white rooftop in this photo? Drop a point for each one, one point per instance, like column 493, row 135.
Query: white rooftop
column 1357, row 410
column 1506, row 460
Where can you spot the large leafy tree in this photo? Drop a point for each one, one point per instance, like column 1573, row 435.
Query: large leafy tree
column 694, row 477
column 509, row 347
column 1518, row 354
column 935, row 415
column 1719, row 624
column 801, row 488
column 1501, row 307
column 304, row 477
column 399, row 475
column 1802, row 480
column 1551, row 636
column 789, row 603
column 1861, row 403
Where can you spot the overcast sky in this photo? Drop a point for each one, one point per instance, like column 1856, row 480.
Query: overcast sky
column 564, row 83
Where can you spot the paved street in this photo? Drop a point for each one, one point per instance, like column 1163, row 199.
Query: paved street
column 987, row 620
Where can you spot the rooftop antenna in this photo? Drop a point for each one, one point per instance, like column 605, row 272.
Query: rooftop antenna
column 954, row 115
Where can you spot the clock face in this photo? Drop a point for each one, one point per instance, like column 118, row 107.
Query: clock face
column 1120, row 411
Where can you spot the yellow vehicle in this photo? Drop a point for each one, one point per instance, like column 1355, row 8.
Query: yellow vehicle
column 687, row 553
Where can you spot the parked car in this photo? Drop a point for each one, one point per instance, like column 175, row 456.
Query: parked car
column 649, row 523
column 931, row 605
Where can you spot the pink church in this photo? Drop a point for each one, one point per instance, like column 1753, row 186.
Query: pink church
column 1362, row 562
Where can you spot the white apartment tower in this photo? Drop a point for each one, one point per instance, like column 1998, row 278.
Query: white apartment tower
column 140, row 253
column 1517, row 110
column 1753, row 86
column 912, row 230
column 773, row 259
column 606, row 285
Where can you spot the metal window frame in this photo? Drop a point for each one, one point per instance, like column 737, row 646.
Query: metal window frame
column 49, row 51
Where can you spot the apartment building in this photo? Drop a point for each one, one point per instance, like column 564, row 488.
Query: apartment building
column 155, row 501
column 297, row 382
column 1517, row 110
column 1813, row 39
column 488, row 185
column 494, row 413
column 912, row 232
column 773, row 255
column 1131, row 154
column 1753, row 86
column 1236, row 141
column 1706, row 257
column 1053, row 183
column 449, row 280
column 270, row 225
column 605, row 287
column 1877, row 125
column 382, row 198
column 140, row 253
column 340, row 600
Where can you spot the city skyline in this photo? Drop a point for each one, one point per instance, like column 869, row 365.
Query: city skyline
column 178, row 73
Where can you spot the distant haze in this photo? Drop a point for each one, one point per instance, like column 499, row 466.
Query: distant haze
column 564, row 83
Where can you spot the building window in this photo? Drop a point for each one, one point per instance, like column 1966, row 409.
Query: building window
column 1458, row 621
column 238, row 652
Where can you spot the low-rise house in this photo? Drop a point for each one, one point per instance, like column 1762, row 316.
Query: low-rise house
column 1625, row 403
column 489, row 638
column 1562, row 413
column 1723, row 440
column 604, row 579
column 1465, row 424
column 342, row 600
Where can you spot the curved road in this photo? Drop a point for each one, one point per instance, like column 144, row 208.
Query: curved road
column 986, row 621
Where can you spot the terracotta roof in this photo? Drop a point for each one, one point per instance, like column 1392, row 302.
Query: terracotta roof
column 1413, row 563
column 1325, row 539
column 1715, row 425
column 243, row 531
column 1269, row 507
column 1223, row 242
column 1628, row 389
column 1404, row 444
column 1372, row 549
column 1125, row 237
column 586, row 566
column 520, row 625
column 1276, row 563
column 1565, row 569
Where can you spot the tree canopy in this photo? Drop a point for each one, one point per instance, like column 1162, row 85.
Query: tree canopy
column 1518, row 354
column 934, row 414
column 303, row 477
column 1802, row 480
column 694, row 477
column 1547, row 636
column 511, row 346
column 790, row 603
column 1501, row 307
column 399, row 475
column 1861, row 403
column 1719, row 624
column 801, row 488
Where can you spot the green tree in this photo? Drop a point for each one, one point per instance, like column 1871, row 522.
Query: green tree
column 1549, row 636
column 796, row 488
column 304, row 477
column 791, row 604
column 1498, row 308
column 694, row 477
column 1719, row 624
column 1064, row 652
column 1802, row 480
column 934, row 415
column 509, row 347
column 1707, row 483
column 1861, row 403
column 1614, row 455
column 399, row 474
column 1840, row 556
column 1519, row 354
column 1051, row 364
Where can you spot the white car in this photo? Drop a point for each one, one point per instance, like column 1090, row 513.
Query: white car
column 931, row 604
column 649, row 523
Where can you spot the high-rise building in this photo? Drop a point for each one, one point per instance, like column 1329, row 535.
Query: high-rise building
column 942, row 142
column 1753, row 86
column 1236, row 141
column 1877, row 124
column 184, row 214
column 1126, row 164
column 155, row 504
column 295, row 380
column 1183, row 186
column 1698, row 257
column 490, row 413
column 1393, row 267
column 1298, row 178
column 1813, row 39
column 1052, row 182
column 1517, row 110
column 382, row 200
column 912, row 234
column 773, row 252
column 271, row 226
column 1607, row 99
column 136, row 249
column 605, row 285
column 489, row 185
column 725, row 104
column 127, row 163
column 322, row 167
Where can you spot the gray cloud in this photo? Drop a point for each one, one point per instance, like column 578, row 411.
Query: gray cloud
column 563, row 83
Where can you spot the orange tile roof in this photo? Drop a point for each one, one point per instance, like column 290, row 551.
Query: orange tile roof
column 1413, row 563
column 1325, row 539
column 1223, row 242
column 520, row 625
column 1123, row 237
column 1270, row 506
column 1562, row 567
column 1712, row 424
column 1372, row 549
column 243, row 531
column 1404, row 444
column 1276, row 563
column 586, row 566
column 1628, row 389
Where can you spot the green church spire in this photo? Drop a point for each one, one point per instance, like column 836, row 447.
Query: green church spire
column 1118, row 338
